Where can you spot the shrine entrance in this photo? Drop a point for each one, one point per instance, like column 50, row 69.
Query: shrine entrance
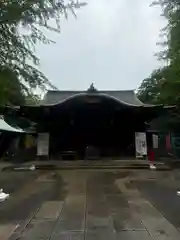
column 105, row 121
column 100, row 123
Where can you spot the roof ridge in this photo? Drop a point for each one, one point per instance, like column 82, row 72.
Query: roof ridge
column 58, row 91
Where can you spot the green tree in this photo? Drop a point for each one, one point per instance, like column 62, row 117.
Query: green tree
column 171, row 89
column 11, row 92
column 21, row 27
column 149, row 90
column 163, row 86
column 156, row 88
column 32, row 99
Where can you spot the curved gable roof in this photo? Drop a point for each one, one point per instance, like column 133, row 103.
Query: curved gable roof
column 55, row 97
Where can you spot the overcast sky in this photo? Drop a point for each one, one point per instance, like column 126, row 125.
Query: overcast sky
column 111, row 43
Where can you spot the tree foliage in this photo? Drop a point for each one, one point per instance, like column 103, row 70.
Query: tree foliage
column 168, row 92
column 10, row 89
column 21, row 27
column 163, row 85
column 32, row 99
column 149, row 91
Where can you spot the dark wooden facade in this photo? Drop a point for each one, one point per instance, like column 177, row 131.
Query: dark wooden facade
column 106, row 120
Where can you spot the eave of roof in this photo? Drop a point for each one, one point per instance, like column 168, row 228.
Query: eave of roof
column 4, row 126
column 126, row 96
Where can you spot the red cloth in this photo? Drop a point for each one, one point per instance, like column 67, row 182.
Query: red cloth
column 151, row 156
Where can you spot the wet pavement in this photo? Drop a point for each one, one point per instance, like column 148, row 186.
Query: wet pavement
column 90, row 204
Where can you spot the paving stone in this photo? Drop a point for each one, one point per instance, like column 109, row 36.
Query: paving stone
column 164, row 235
column 144, row 207
column 162, row 195
column 117, row 200
column 133, row 235
column 158, row 226
column 100, row 234
column 76, row 200
column 127, row 221
column 94, row 208
column 77, row 236
column 72, row 224
column 77, row 188
column 95, row 223
column 17, row 233
column 66, row 215
column 68, row 236
column 72, row 215
column 49, row 210
column 38, row 230
column 73, row 205
column 110, row 189
column 60, row 236
column 6, row 231
column 161, row 228
column 98, row 208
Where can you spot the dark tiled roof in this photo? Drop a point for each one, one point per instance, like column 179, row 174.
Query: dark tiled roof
column 55, row 97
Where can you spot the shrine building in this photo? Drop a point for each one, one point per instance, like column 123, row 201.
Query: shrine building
column 104, row 120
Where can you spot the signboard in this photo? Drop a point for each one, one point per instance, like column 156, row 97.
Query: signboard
column 141, row 144
column 155, row 140
column 43, row 144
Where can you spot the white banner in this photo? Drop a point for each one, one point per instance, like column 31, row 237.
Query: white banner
column 141, row 144
column 43, row 144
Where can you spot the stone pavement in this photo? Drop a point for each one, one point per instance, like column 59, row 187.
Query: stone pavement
column 95, row 205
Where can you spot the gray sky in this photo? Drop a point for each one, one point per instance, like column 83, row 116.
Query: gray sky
column 111, row 43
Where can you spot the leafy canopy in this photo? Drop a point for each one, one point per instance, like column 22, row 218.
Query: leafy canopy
column 21, row 27
column 163, row 85
column 168, row 92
